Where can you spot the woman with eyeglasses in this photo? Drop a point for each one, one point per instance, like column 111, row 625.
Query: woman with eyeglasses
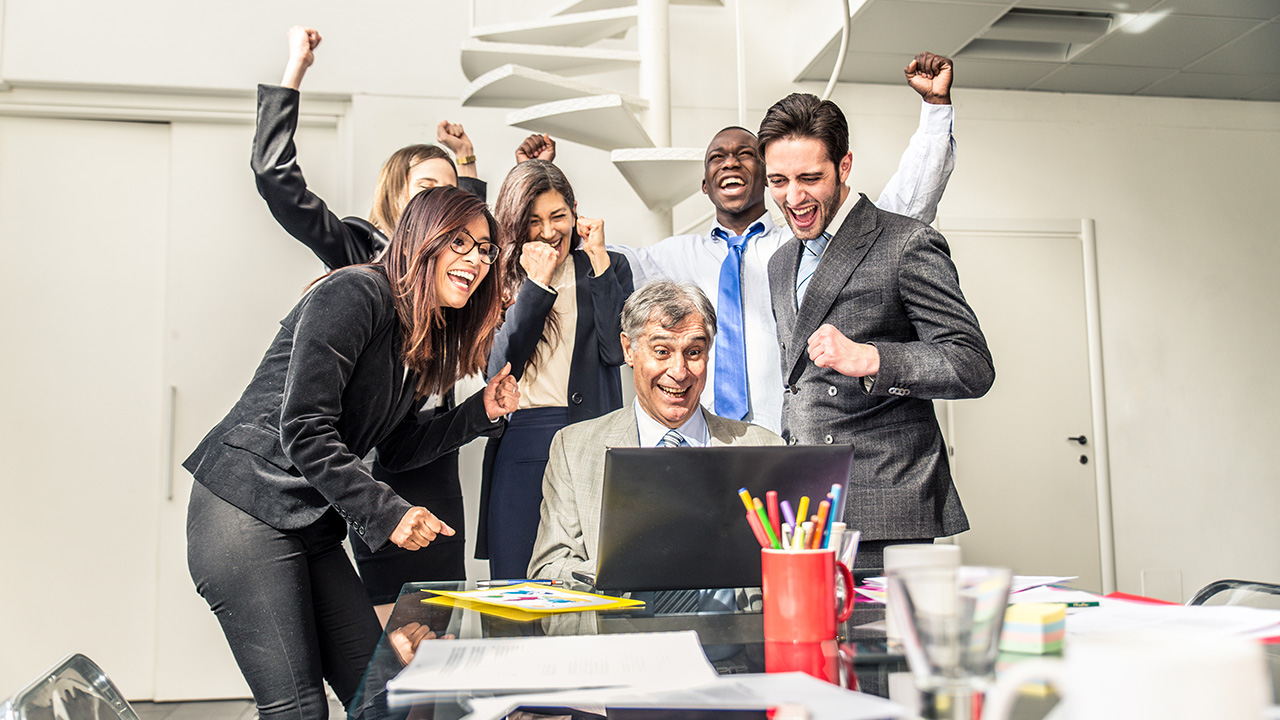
column 279, row 480
column 561, row 339
column 339, row 242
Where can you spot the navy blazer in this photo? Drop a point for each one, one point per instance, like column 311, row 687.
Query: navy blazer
column 330, row 388
column 595, row 387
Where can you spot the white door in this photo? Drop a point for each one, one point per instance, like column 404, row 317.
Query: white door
column 232, row 275
column 1024, row 455
column 83, row 218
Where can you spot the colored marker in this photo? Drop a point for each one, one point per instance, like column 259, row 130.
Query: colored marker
column 820, row 525
column 771, row 505
column 787, row 514
column 786, row 537
column 835, row 537
column 802, row 512
column 757, row 529
column 764, row 519
column 806, row 535
column 746, row 499
column 837, row 507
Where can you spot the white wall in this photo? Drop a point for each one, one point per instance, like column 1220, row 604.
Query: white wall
column 1183, row 191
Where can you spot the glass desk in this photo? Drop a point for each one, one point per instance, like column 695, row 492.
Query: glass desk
column 737, row 637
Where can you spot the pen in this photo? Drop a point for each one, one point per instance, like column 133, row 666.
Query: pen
column 835, row 537
column 820, row 524
column 500, row 583
column 802, row 513
column 746, row 499
column 771, row 504
column 837, row 507
column 764, row 520
column 1082, row 603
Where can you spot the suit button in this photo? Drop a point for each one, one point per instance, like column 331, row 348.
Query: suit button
column 832, row 391
column 828, row 439
column 794, row 389
column 900, row 392
column 576, row 398
column 792, row 441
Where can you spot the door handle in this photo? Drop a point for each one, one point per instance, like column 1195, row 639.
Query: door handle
column 1080, row 439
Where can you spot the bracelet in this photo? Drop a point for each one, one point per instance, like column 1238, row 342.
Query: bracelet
column 465, row 159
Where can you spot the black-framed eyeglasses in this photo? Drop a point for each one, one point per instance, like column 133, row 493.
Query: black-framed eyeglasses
column 463, row 243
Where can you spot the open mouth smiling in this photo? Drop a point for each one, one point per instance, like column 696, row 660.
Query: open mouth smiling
column 462, row 278
column 674, row 393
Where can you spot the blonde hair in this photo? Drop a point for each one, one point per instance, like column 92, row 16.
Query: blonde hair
column 389, row 196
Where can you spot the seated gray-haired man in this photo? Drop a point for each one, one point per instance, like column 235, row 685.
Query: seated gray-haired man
column 667, row 329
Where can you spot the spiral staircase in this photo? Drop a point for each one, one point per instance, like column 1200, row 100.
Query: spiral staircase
column 532, row 67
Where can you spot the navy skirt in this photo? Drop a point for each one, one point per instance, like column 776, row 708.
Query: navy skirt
column 511, row 505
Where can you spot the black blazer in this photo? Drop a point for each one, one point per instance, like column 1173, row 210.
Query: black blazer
column 338, row 242
column 595, row 386
column 330, row 388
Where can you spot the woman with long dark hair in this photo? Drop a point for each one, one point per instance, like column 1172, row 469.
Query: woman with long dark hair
column 339, row 242
column 561, row 338
column 282, row 476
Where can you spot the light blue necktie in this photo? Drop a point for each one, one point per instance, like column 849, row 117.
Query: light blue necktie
column 673, row 439
column 809, row 264
column 730, row 343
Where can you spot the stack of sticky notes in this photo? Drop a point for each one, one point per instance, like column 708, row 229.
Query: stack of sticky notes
column 1034, row 628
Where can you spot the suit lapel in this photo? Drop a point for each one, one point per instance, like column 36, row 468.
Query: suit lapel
column 844, row 253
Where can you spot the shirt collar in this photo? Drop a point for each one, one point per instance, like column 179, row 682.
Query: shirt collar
column 766, row 220
column 845, row 208
column 694, row 429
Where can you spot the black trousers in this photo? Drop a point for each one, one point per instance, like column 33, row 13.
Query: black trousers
column 289, row 602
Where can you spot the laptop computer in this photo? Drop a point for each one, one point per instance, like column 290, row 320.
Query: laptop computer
column 671, row 518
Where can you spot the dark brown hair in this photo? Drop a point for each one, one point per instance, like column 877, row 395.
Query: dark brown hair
column 388, row 196
column 440, row 343
column 523, row 185
column 801, row 115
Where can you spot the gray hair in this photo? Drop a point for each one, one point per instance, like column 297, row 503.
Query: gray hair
column 668, row 303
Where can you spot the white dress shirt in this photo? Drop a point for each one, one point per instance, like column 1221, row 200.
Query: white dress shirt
column 914, row 190
column 694, row 430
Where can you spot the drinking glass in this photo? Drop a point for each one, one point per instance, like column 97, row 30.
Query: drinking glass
column 950, row 620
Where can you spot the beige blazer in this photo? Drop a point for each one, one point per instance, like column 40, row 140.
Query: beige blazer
column 569, row 531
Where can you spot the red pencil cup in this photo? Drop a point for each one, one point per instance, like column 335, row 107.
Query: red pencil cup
column 800, row 610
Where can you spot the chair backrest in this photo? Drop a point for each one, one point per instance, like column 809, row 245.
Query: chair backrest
column 74, row 689
column 1239, row 592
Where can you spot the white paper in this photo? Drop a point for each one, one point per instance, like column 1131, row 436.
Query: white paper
column 494, row 665
column 1019, row 584
column 1114, row 614
column 823, row 700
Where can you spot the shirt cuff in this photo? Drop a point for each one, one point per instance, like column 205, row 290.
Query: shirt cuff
column 548, row 288
column 936, row 118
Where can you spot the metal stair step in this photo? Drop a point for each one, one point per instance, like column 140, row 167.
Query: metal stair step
column 480, row 57
column 662, row 177
column 572, row 6
column 519, row 86
column 574, row 29
column 606, row 122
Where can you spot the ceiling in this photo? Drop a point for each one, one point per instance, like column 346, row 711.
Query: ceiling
column 1226, row 49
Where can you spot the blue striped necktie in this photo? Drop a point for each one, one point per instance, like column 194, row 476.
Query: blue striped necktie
column 730, row 343
column 809, row 264
column 673, row 439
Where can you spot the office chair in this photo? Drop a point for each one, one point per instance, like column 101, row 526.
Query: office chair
column 74, row 689
column 1239, row 592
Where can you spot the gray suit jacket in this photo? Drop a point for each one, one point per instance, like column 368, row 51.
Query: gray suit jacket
column 887, row 280
column 569, row 531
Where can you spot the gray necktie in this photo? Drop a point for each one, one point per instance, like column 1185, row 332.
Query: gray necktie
column 809, row 264
column 673, row 439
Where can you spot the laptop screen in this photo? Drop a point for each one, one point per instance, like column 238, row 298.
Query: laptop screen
column 671, row 518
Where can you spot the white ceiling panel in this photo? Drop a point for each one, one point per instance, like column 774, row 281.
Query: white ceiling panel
column 1256, row 51
column 1255, row 9
column 1109, row 6
column 1101, row 79
column 1189, row 48
column 1000, row 75
column 1205, row 86
column 1172, row 42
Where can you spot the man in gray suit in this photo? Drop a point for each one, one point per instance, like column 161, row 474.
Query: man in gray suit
column 872, row 327
column 667, row 329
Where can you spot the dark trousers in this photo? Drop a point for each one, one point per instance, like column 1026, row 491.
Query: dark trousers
column 289, row 602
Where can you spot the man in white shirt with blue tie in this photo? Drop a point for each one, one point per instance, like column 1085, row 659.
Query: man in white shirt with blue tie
column 744, row 371
column 667, row 328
